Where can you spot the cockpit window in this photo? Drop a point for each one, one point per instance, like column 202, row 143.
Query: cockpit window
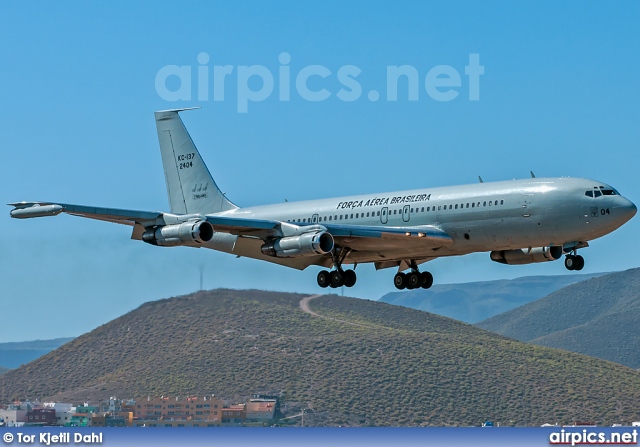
column 608, row 192
column 597, row 193
column 589, row 193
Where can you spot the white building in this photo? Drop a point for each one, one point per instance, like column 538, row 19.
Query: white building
column 14, row 418
column 260, row 409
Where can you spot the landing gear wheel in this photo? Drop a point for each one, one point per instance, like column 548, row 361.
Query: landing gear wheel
column 324, row 279
column 350, row 278
column 579, row 262
column 570, row 262
column 414, row 280
column 337, row 279
column 427, row 280
column 400, row 281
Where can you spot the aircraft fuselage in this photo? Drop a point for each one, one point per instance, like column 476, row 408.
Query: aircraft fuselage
column 479, row 217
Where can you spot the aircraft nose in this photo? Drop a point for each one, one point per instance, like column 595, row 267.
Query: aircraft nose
column 628, row 209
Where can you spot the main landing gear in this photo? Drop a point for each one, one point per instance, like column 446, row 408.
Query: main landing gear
column 574, row 262
column 413, row 280
column 338, row 277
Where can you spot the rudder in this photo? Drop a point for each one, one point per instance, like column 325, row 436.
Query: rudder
column 190, row 186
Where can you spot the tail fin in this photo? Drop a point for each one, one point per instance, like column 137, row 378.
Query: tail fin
column 190, row 187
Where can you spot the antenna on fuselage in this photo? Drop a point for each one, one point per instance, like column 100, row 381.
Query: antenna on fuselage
column 532, row 174
column 480, row 179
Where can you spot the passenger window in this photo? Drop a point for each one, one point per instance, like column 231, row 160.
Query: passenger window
column 502, row 202
column 356, row 215
column 378, row 213
column 456, row 206
column 450, row 206
column 438, row 207
column 490, row 202
column 473, row 205
column 597, row 193
column 484, row 203
column 352, row 216
column 329, row 217
column 411, row 210
column 423, row 210
column 428, row 208
column 467, row 205
column 367, row 214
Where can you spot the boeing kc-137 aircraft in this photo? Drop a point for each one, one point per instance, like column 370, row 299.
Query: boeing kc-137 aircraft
column 517, row 221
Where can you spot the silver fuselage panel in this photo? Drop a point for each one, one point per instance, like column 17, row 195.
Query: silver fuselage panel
column 479, row 217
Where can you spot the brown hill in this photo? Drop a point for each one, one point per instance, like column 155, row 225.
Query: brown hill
column 599, row 317
column 357, row 363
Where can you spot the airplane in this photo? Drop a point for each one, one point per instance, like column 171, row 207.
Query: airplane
column 517, row 221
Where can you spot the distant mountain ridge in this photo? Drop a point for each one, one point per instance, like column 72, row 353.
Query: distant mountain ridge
column 354, row 362
column 14, row 354
column 476, row 301
column 599, row 317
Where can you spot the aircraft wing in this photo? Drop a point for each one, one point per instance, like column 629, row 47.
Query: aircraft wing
column 386, row 246
column 25, row 210
column 355, row 236
column 390, row 246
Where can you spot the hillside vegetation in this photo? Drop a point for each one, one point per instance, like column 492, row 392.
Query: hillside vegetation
column 599, row 317
column 476, row 301
column 3, row 370
column 358, row 363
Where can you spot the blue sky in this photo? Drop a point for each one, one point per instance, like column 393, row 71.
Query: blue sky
column 559, row 96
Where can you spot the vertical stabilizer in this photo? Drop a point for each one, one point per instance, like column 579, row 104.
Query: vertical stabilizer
column 190, row 187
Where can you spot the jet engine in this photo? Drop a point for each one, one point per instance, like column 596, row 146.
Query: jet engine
column 527, row 255
column 188, row 233
column 308, row 244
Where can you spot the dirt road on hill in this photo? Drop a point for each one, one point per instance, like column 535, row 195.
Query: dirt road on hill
column 304, row 306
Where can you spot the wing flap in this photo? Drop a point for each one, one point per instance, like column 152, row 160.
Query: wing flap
column 423, row 235
column 241, row 226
